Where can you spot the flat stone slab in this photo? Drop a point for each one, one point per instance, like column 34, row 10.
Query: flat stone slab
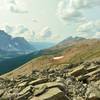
column 38, row 81
column 52, row 85
column 52, row 94
column 25, row 90
column 77, row 71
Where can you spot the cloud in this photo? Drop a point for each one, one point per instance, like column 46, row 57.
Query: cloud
column 89, row 26
column 14, row 9
column 56, row 37
column 9, row 29
column 23, row 31
column 44, row 33
column 12, row 2
column 20, row 31
column 72, row 10
column 17, row 6
column 84, row 4
column 86, row 27
column 66, row 12
column 35, row 20
column 14, row 6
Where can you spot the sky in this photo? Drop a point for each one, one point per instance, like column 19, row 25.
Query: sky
column 50, row 20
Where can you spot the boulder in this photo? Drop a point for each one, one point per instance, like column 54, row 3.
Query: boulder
column 1, row 92
column 8, row 96
column 52, row 94
column 83, row 78
column 93, row 92
column 39, row 91
column 77, row 71
column 92, row 68
column 49, row 85
column 25, row 90
column 25, row 96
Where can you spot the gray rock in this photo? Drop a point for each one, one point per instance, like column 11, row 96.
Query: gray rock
column 25, row 90
column 77, row 71
column 49, row 85
column 39, row 91
column 8, row 96
column 23, row 84
column 93, row 92
column 1, row 92
column 52, row 94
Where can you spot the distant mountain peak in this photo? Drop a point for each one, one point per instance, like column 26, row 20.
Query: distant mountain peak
column 74, row 38
column 14, row 44
column 71, row 39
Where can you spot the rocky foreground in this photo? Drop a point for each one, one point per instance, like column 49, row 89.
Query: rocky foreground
column 72, row 82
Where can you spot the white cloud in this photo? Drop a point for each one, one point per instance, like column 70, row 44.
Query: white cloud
column 17, row 6
column 9, row 29
column 89, row 26
column 86, row 27
column 35, row 20
column 83, row 4
column 66, row 12
column 14, row 9
column 20, row 31
column 44, row 33
column 72, row 10
column 56, row 37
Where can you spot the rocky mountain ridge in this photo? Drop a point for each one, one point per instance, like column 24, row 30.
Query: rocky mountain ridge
column 18, row 44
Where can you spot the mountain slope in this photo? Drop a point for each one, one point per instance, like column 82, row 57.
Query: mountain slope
column 80, row 51
column 7, row 65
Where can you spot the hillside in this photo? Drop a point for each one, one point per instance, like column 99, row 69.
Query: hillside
column 10, row 64
column 79, row 51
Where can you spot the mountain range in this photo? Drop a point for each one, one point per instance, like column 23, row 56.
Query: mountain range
column 17, row 51
column 18, row 44
column 70, row 50
column 12, row 47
